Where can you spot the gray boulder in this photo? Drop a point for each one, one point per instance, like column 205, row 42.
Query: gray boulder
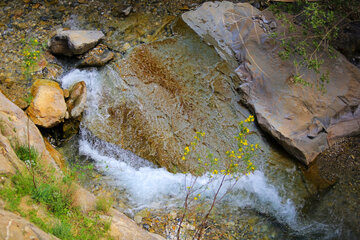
column 74, row 42
column 300, row 118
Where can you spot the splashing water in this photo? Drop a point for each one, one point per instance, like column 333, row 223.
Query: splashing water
column 152, row 187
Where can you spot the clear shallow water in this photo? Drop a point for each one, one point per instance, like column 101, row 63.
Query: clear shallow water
column 275, row 191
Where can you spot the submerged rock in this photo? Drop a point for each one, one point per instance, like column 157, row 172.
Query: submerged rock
column 298, row 117
column 74, row 42
column 48, row 107
column 162, row 93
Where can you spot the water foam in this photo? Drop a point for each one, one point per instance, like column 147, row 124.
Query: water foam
column 93, row 81
column 148, row 186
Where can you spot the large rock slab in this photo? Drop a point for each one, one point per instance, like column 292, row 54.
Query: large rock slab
column 14, row 227
column 298, row 117
column 123, row 228
column 74, row 42
column 48, row 108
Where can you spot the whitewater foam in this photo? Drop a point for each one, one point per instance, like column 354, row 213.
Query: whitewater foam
column 149, row 186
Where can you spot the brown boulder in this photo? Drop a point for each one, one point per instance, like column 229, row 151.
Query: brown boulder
column 16, row 128
column 48, row 107
column 76, row 102
column 97, row 57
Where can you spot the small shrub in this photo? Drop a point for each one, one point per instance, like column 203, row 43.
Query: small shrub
column 104, row 203
column 53, row 198
column 62, row 230
column 224, row 171
column 55, row 195
column 22, row 152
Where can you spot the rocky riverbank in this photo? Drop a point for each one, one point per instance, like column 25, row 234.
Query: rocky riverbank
column 164, row 84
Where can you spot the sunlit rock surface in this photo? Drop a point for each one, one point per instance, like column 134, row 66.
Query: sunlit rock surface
column 48, row 107
column 14, row 227
column 301, row 119
column 74, row 42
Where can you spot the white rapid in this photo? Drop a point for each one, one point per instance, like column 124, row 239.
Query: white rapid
column 149, row 186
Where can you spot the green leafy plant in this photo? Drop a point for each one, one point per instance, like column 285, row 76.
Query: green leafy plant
column 318, row 26
column 223, row 172
column 29, row 156
column 29, row 99
column 62, row 230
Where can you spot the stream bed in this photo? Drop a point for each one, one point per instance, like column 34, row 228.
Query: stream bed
column 141, row 112
column 266, row 204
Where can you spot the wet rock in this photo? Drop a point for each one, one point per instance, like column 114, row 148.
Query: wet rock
column 48, row 107
column 71, row 127
column 74, row 42
column 165, row 92
column 97, row 57
column 138, row 219
column 283, row 109
column 76, row 102
column 66, row 93
column 121, row 10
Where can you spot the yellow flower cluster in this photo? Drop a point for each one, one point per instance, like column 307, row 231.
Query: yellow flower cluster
column 193, row 144
column 31, row 54
column 197, row 197
column 250, row 119
column 237, row 162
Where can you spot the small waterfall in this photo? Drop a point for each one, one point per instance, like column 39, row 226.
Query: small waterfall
column 150, row 187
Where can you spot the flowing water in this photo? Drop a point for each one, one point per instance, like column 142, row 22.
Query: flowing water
column 267, row 204
column 273, row 195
